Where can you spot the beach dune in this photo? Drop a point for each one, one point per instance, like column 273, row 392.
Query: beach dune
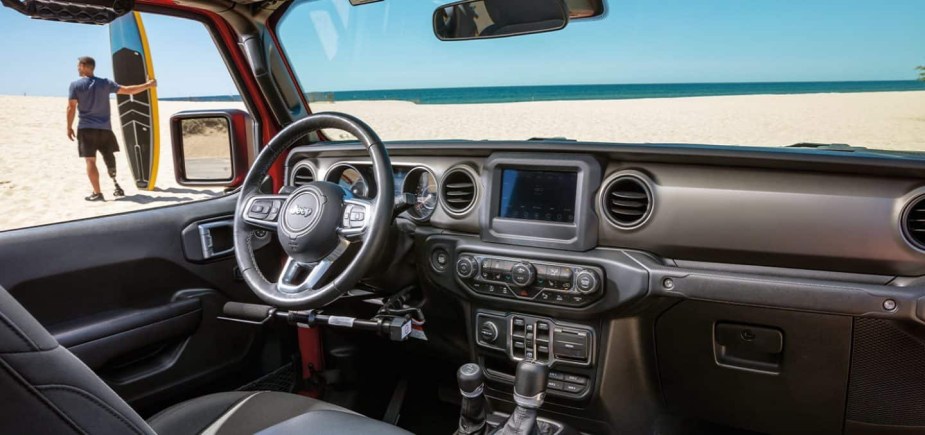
column 42, row 180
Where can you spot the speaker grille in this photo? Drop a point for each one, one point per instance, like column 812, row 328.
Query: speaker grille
column 887, row 382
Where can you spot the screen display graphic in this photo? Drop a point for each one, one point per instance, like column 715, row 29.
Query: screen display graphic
column 538, row 195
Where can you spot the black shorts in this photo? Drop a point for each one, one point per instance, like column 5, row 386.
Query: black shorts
column 91, row 140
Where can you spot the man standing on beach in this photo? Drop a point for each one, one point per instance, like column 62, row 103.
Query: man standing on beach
column 90, row 96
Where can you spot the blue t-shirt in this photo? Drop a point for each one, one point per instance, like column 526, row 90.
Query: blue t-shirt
column 92, row 95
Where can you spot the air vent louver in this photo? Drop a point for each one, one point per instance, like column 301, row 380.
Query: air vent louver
column 302, row 175
column 458, row 190
column 627, row 201
column 914, row 222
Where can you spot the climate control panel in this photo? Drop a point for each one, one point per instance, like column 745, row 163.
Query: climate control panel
column 533, row 280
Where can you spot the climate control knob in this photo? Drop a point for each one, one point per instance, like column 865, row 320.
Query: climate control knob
column 523, row 274
column 587, row 281
column 467, row 267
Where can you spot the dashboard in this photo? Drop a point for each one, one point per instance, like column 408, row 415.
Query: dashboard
column 590, row 256
column 800, row 209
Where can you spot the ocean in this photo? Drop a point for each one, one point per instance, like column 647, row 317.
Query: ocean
column 507, row 94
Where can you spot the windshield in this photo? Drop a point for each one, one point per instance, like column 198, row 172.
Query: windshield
column 726, row 72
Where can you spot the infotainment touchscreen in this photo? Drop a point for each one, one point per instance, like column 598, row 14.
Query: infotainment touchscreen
column 538, row 195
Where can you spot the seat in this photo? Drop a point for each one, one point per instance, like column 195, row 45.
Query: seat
column 47, row 390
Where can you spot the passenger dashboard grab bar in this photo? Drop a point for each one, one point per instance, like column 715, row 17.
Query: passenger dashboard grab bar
column 799, row 294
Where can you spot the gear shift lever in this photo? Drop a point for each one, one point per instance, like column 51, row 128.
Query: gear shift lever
column 530, row 384
column 471, row 384
column 529, row 393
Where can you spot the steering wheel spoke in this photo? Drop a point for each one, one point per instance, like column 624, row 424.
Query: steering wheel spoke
column 297, row 277
column 263, row 211
column 358, row 213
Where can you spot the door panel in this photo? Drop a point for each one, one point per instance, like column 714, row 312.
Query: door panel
column 121, row 293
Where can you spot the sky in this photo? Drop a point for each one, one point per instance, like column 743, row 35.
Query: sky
column 186, row 61
column 390, row 45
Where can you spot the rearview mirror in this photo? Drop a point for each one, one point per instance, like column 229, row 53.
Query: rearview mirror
column 211, row 148
column 480, row 19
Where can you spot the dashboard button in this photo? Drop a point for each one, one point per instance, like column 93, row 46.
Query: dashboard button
column 576, row 300
column 554, row 385
column 587, row 281
column 552, row 272
column 573, row 388
column 527, row 292
column 466, row 267
column 488, row 332
column 439, row 259
column 523, row 274
column 575, row 379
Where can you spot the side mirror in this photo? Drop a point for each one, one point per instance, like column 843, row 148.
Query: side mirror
column 212, row 148
column 481, row 19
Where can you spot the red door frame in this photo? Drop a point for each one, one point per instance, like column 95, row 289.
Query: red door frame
column 309, row 339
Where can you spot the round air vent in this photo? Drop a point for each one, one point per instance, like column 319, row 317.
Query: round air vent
column 913, row 223
column 627, row 201
column 458, row 191
column 302, row 174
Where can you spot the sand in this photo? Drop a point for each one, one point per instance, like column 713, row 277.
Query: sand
column 883, row 120
column 43, row 181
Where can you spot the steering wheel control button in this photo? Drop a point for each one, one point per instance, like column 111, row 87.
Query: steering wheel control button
column 275, row 206
column 587, row 281
column 466, row 267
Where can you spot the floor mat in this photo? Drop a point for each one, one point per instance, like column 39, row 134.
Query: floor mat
column 283, row 379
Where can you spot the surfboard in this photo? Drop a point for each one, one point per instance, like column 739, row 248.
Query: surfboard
column 131, row 65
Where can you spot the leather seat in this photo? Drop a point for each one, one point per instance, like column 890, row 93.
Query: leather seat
column 47, row 390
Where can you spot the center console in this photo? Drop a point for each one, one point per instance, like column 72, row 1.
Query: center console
column 568, row 348
column 538, row 287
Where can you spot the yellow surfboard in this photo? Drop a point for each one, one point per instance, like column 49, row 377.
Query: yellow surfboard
column 132, row 65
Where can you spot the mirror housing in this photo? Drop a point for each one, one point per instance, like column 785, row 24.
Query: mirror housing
column 584, row 9
column 212, row 147
column 483, row 19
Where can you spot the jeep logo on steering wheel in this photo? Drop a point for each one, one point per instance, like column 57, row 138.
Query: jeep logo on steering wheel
column 300, row 211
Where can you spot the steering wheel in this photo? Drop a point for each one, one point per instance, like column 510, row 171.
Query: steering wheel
column 319, row 225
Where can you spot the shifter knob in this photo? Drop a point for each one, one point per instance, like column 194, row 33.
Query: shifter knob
column 530, row 384
column 470, row 379
column 472, row 413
